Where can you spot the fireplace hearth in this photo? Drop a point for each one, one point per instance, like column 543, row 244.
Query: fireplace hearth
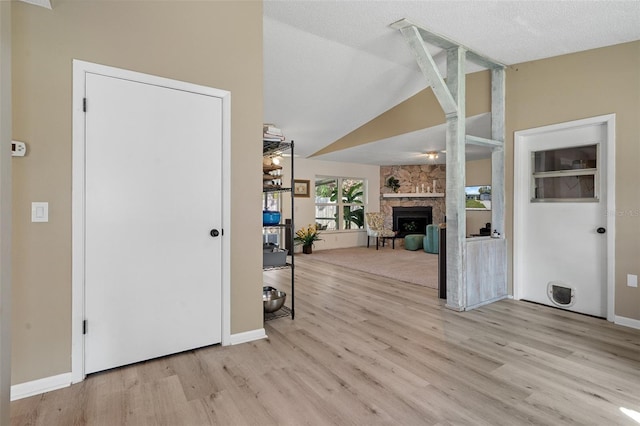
column 411, row 220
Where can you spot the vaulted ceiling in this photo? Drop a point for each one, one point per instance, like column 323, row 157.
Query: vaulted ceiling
column 332, row 66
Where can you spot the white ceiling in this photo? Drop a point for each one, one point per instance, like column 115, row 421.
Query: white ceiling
column 332, row 66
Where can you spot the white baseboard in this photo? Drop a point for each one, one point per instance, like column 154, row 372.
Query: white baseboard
column 627, row 322
column 247, row 336
column 36, row 387
column 47, row 384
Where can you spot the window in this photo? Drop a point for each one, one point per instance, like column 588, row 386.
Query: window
column 339, row 203
column 566, row 174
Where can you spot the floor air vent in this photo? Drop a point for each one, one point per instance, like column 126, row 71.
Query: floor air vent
column 561, row 294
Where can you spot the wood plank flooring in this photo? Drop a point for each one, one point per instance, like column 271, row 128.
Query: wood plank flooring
column 368, row 350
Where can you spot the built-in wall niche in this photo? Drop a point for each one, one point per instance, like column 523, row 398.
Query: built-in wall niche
column 478, row 175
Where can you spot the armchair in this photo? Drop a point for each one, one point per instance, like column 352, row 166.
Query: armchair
column 375, row 228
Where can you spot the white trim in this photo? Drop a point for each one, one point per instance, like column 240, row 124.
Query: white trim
column 36, row 387
column 77, row 222
column 610, row 121
column 520, row 197
column 226, row 218
column 247, row 336
column 627, row 322
column 80, row 69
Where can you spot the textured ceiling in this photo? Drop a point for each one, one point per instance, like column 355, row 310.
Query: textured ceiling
column 332, row 66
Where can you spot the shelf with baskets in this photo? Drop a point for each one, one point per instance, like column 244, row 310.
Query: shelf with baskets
column 277, row 231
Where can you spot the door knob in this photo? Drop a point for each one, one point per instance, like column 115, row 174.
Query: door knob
column 214, row 233
column 601, row 230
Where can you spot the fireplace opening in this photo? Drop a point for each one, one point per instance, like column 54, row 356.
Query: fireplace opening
column 412, row 225
column 411, row 220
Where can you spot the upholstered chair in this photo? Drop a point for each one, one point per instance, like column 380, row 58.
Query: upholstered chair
column 375, row 228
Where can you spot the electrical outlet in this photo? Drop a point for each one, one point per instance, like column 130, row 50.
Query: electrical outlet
column 632, row 280
column 18, row 149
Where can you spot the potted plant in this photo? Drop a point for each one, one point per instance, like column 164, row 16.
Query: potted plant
column 393, row 183
column 307, row 236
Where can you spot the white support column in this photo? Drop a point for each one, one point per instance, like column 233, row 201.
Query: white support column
column 497, row 156
column 464, row 291
column 455, row 202
column 5, row 210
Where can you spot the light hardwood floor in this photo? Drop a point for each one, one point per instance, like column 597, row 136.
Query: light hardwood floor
column 366, row 350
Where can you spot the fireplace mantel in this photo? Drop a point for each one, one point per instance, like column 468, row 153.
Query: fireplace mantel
column 414, row 195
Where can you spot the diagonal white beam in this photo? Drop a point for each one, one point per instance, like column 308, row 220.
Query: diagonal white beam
column 429, row 69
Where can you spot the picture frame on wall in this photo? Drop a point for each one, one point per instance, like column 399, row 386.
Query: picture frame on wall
column 301, row 188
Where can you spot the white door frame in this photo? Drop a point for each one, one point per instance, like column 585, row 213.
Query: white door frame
column 521, row 200
column 80, row 69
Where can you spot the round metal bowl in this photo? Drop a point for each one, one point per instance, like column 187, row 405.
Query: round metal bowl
column 273, row 299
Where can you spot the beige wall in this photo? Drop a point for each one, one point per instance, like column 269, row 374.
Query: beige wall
column 581, row 85
column 217, row 44
column 305, row 208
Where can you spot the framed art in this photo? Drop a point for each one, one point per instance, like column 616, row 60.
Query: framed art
column 301, row 188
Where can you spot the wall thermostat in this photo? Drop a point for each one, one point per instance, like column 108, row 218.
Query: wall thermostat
column 18, row 149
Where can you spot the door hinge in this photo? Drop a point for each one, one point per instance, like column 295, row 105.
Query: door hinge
column 84, row 104
column 84, row 327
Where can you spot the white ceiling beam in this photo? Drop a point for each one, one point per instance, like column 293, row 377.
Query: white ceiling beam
column 445, row 43
column 429, row 69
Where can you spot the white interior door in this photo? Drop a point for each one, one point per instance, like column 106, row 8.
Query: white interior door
column 561, row 218
column 152, row 196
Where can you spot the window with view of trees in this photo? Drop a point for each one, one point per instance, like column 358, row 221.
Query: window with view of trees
column 339, row 203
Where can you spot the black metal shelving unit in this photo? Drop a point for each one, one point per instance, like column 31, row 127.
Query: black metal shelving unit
column 273, row 149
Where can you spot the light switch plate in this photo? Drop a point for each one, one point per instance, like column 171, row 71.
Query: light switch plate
column 632, row 280
column 40, row 211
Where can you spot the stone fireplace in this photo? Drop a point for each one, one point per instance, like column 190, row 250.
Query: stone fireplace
column 410, row 178
column 411, row 220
